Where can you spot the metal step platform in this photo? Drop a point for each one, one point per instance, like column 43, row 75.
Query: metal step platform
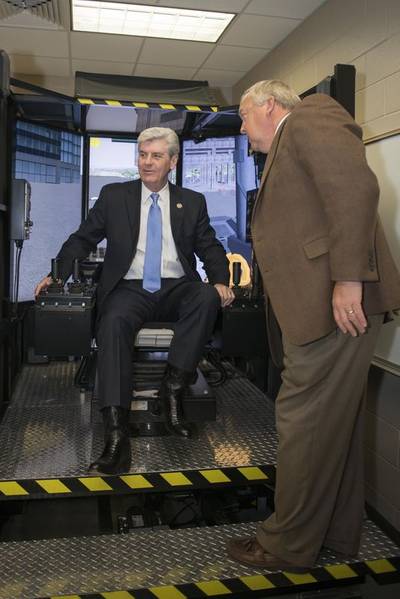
column 48, row 438
column 171, row 564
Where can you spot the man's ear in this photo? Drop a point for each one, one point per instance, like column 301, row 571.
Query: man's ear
column 174, row 161
column 269, row 105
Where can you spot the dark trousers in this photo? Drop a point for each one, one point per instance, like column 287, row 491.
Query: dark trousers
column 191, row 305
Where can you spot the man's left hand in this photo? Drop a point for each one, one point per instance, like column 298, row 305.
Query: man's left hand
column 226, row 294
column 347, row 309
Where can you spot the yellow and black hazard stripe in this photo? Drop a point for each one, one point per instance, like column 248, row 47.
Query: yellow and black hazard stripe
column 134, row 483
column 162, row 106
column 259, row 585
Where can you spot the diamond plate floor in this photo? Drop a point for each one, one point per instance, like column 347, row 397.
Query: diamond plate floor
column 47, row 430
column 141, row 559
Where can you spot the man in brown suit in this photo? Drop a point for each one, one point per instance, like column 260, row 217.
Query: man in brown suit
column 329, row 277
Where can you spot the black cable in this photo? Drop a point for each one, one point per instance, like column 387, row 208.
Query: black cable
column 214, row 358
column 18, row 244
column 187, row 506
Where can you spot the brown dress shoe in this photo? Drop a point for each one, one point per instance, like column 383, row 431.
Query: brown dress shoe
column 248, row 551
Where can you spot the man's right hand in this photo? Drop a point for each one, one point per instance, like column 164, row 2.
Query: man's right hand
column 43, row 285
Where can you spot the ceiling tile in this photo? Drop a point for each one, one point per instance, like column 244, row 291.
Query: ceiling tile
column 35, row 42
column 295, row 9
column 234, row 58
column 216, row 77
column 38, row 65
column 176, row 53
column 213, row 5
column 153, row 70
column 102, row 66
column 27, row 19
column 258, row 31
column 99, row 46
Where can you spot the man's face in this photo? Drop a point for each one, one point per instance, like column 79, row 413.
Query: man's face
column 154, row 163
column 257, row 124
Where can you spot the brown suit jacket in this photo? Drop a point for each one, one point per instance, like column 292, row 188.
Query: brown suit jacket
column 315, row 221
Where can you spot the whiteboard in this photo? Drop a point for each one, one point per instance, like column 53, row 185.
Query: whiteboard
column 384, row 158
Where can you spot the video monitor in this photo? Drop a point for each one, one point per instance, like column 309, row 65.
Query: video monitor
column 51, row 161
column 222, row 170
column 112, row 160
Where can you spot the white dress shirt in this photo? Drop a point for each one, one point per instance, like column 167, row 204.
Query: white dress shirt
column 171, row 267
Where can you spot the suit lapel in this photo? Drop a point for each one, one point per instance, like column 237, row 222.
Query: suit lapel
column 132, row 202
column 176, row 208
column 270, row 159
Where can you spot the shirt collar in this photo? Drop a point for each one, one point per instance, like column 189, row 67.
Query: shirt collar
column 146, row 193
column 283, row 119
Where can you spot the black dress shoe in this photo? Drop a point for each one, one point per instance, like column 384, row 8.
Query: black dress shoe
column 116, row 456
column 248, row 551
column 172, row 388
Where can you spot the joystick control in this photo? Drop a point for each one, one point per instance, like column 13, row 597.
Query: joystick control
column 76, row 286
column 56, row 285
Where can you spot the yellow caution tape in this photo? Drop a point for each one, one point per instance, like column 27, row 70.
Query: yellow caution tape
column 176, row 478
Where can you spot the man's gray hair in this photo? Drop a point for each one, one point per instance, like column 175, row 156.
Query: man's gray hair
column 261, row 91
column 161, row 133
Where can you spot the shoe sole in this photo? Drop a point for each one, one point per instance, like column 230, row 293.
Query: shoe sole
column 278, row 568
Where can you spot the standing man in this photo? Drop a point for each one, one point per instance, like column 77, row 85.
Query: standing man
column 329, row 278
column 153, row 231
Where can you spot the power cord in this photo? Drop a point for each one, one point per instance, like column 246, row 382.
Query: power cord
column 14, row 312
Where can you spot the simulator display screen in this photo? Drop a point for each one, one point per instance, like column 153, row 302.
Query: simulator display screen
column 112, row 160
column 221, row 169
column 51, row 160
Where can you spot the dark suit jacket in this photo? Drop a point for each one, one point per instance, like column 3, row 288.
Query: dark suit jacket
column 116, row 216
column 315, row 221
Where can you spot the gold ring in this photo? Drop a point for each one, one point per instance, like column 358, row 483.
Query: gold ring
column 350, row 312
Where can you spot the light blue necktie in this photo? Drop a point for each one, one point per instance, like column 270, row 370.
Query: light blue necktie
column 152, row 257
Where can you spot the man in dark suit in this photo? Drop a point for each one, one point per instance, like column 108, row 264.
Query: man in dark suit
column 153, row 231
column 329, row 278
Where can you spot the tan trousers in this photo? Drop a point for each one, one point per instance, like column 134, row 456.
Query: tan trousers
column 319, row 495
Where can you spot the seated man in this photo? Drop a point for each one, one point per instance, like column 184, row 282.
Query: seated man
column 153, row 231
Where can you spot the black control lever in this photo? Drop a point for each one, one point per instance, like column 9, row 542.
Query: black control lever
column 54, row 269
column 76, row 285
column 257, row 286
column 236, row 273
column 75, row 271
column 56, row 285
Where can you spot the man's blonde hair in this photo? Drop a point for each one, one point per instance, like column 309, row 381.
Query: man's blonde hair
column 165, row 133
column 261, row 91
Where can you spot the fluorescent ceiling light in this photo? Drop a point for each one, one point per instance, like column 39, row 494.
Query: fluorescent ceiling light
column 149, row 21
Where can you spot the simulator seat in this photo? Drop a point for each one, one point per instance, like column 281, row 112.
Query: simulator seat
column 64, row 320
column 149, row 362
